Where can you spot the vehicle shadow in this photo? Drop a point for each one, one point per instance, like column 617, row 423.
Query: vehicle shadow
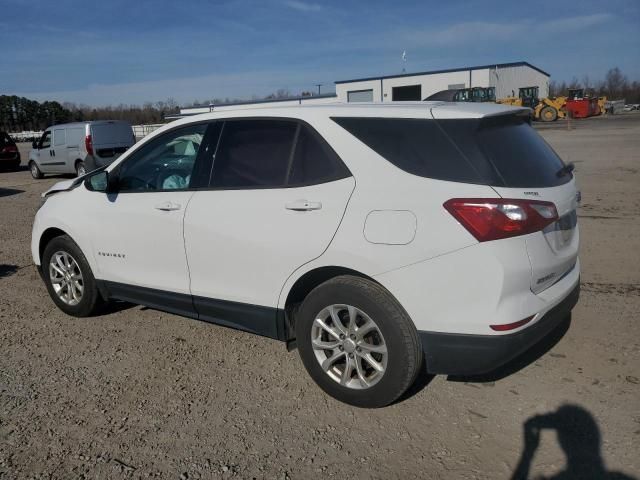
column 115, row 306
column 7, row 270
column 422, row 380
column 579, row 437
column 7, row 192
column 521, row 361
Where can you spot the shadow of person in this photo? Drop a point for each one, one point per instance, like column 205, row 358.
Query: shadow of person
column 578, row 435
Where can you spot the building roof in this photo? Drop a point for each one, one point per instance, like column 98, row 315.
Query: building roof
column 448, row 70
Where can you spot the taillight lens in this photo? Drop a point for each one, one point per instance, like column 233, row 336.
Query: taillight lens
column 9, row 149
column 88, row 144
column 496, row 218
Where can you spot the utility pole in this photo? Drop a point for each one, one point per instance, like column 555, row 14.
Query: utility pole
column 319, row 85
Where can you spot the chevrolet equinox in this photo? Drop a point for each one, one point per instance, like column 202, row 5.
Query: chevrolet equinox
column 375, row 238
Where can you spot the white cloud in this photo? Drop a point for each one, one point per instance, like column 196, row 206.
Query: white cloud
column 465, row 32
column 183, row 90
column 579, row 22
column 303, row 6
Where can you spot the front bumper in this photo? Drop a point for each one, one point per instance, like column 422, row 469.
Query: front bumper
column 460, row 354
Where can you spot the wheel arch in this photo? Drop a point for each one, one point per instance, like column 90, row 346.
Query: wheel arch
column 311, row 279
column 48, row 235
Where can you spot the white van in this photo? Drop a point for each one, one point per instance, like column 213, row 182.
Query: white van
column 79, row 147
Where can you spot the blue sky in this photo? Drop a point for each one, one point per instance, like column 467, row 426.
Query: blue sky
column 132, row 51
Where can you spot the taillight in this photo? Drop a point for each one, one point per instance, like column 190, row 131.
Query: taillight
column 9, row 149
column 88, row 144
column 495, row 218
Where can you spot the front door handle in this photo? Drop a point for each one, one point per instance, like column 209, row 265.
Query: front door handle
column 168, row 206
column 303, row 206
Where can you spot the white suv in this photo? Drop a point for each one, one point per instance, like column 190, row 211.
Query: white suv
column 375, row 237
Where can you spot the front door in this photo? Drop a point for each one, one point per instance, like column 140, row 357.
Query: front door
column 60, row 159
column 276, row 198
column 138, row 231
column 44, row 152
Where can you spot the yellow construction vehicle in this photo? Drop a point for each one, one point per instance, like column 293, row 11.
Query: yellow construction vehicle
column 545, row 110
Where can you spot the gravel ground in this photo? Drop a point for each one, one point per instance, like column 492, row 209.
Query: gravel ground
column 138, row 393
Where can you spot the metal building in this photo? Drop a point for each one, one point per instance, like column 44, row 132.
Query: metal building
column 507, row 78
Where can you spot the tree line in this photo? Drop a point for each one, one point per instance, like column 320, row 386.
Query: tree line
column 615, row 86
column 19, row 114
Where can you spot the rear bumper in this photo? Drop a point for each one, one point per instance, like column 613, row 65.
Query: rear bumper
column 460, row 354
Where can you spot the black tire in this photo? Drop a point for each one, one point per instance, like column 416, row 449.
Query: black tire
column 80, row 168
column 548, row 114
column 90, row 301
column 404, row 350
column 35, row 171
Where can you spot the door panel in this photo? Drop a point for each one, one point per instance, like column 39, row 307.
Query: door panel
column 242, row 245
column 138, row 234
column 137, row 241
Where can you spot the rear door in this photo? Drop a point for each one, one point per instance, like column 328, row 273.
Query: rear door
column 276, row 197
column 110, row 140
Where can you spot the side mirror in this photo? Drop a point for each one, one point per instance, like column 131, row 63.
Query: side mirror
column 34, row 144
column 102, row 181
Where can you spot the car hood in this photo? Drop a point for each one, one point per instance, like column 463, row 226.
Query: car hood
column 63, row 186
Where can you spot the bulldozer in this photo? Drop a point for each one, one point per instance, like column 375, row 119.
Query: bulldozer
column 545, row 110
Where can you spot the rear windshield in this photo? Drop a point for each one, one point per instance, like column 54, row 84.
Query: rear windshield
column 5, row 139
column 500, row 151
column 112, row 134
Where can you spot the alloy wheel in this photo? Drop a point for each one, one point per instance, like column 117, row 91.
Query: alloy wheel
column 349, row 346
column 66, row 278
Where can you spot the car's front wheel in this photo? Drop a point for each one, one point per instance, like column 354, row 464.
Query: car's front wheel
column 357, row 342
column 35, row 171
column 69, row 278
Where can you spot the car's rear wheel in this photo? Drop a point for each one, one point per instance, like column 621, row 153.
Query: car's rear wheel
column 69, row 278
column 80, row 168
column 357, row 342
column 35, row 171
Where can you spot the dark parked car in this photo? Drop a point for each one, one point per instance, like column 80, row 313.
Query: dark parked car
column 9, row 154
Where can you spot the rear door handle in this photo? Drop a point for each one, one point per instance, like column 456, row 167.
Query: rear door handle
column 168, row 206
column 303, row 206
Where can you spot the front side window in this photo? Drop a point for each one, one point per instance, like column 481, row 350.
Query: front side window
column 165, row 163
column 45, row 140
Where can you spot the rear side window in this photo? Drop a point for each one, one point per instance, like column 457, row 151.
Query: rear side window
column 271, row 153
column 314, row 161
column 59, row 137
column 253, row 153
column 417, row 146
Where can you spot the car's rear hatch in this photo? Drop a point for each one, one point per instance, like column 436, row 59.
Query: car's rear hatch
column 8, row 149
column 111, row 139
column 518, row 164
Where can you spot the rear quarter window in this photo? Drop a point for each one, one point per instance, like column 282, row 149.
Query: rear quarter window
column 417, row 146
column 517, row 154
